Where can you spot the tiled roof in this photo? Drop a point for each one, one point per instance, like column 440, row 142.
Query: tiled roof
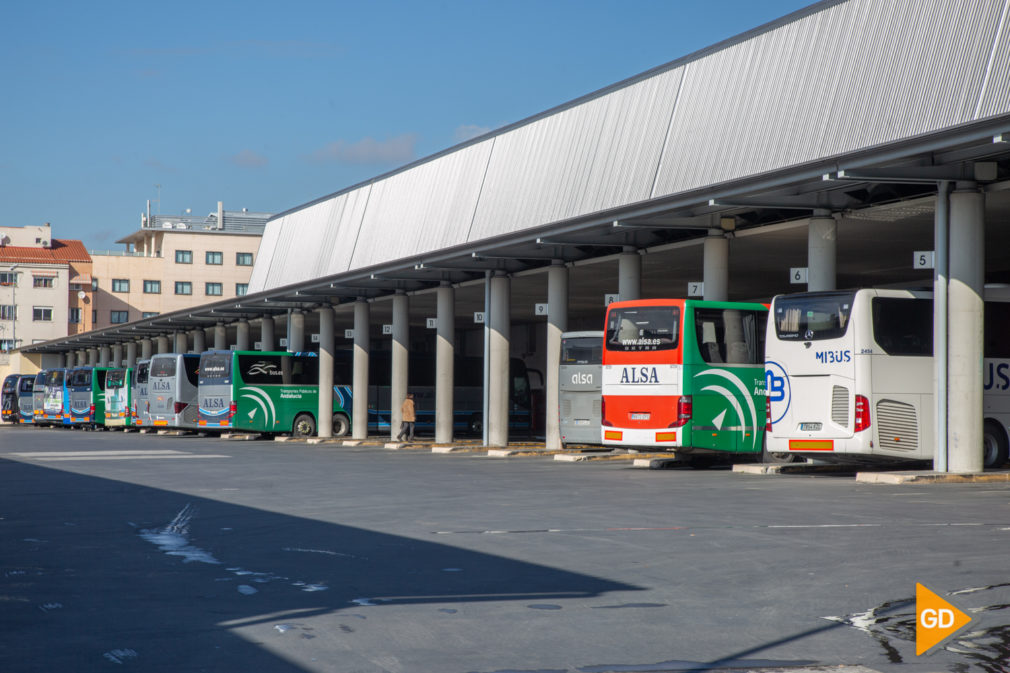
column 60, row 251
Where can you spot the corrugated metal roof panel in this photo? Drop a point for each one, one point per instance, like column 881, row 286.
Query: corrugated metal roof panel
column 261, row 278
column 995, row 96
column 423, row 209
column 597, row 155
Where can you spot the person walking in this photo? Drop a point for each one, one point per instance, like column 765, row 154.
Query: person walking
column 409, row 416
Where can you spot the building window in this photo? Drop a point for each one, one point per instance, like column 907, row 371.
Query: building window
column 119, row 317
column 74, row 316
column 120, row 285
column 183, row 287
column 215, row 257
column 148, row 314
column 243, row 258
column 214, row 289
column 8, row 312
column 241, row 289
column 43, row 281
column 42, row 313
column 7, row 344
column 183, row 256
column 8, row 278
column 152, row 287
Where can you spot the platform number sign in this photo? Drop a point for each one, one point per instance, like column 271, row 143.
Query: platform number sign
column 609, row 299
column 696, row 289
column 478, row 317
column 798, row 275
column 540, row 310
column 923, row 259
column 348, row 333
column 431, row 323
column 387, row 329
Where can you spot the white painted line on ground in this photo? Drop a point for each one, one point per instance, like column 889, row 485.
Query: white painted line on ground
column 55, row 454
column 92, row 458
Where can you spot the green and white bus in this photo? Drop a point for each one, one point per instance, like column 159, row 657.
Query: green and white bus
column 275, row 392
column 119, row 397
column 685, row 376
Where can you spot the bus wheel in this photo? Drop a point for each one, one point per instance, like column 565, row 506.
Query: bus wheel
column 304, row 426
column 476, row 426
column 994, row 444
column 341, row 426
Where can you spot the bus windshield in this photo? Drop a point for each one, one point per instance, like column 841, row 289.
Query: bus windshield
column 80, row 378
column 643, row 328
column 215, row 368
column 116, row 378
column 581, row 351
column 812, row 317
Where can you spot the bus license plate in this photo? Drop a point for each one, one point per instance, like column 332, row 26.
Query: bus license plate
column 810, row 427
column 581, row 421
column 640, row 416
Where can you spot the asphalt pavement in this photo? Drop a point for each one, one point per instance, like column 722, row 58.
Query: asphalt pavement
column 120, row 551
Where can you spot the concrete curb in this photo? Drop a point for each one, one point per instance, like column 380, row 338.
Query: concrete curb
column 451, row 449
column 289, row 439
column 657, row 463
column 239, row 436
column 928, row 477
column 791, row 468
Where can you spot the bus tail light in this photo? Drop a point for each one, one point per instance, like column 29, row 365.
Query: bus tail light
column 232, row 408
column 92, row 410
column 862, row 413
column 603, row 413
column 685, row 408
column 768, row 414
column 180, row 406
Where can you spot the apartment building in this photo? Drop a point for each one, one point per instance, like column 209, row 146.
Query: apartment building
column 45, row 286
column 176, row 261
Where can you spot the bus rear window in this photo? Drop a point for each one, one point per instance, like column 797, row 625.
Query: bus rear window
column 581, row 351
column 643, row 328
column 27, row 385
column 163, row 367
column 80, row 378
column 116, row 378
column 215, row 368
column 812, row 317
column 55, row 378
column 10, row 384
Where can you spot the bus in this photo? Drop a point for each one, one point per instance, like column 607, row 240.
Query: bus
column 468, row 392
column 119, row 397
column 26, row 398
column 686, row 376
column 172, row 385
column 579, row 387
column 9, row 399
column 263, row 391
column 56, row 404
column 87, row 395
column 850, row 377
column 39, row 395
column 141, row 409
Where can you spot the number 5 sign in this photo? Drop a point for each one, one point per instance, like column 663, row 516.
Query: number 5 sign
column 922, row 259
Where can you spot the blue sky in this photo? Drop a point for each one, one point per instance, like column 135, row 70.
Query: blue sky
column 268, row 105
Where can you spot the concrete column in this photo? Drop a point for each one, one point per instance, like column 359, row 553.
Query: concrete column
column 400, row 359
column 163, row 346
column 629, row 274
column 131, row 353
column 220, row 337
column 61, row 360
column 199, row 341
column 242, row 335
column 966, row 309
column 117, row 355
column 324, row 417
column 104, row 356
column 70, row 360
column 296, row 331
column 92, row 357
column 445, row 357
column 941, row 286
column 498, row 360
column 716, row 272
column 181, row 343
column 267, row 333
column 359, row 392
column 822, row 236
column 81, row 358
column 146, row 349
column 557, row 322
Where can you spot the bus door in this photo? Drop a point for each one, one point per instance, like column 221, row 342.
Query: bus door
column 810, row 372
column 726, row 378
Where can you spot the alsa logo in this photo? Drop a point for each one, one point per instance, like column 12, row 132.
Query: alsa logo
column 161, row 386
column 213, row 403
column 639, row 375
column 582, row 379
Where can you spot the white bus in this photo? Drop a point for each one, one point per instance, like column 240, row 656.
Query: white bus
column 580, row 387
column 849, row 377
